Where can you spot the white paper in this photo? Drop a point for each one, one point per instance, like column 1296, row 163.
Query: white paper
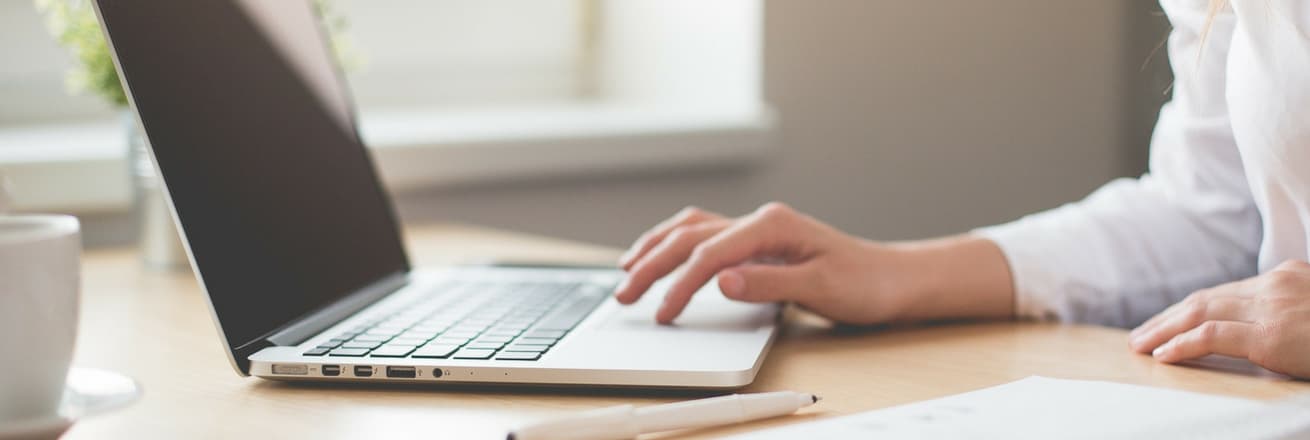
column 1045, row 408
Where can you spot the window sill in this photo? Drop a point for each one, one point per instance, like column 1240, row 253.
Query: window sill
column 80, row 168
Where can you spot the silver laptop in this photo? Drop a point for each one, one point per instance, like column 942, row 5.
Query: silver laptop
column 296, row 245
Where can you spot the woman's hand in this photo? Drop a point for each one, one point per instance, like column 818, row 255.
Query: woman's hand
column 1265, row 319
column 777, row 254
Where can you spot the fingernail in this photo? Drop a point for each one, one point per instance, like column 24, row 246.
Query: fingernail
column 1159, row 351
column 732, row 284
column 623, row 287
column 665, row 309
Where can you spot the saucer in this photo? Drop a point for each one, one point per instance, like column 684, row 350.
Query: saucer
column 89, row 392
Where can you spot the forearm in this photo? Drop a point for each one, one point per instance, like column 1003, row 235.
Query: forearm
column 960, row 277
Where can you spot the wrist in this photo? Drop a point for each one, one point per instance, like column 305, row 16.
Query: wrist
column 960, row 277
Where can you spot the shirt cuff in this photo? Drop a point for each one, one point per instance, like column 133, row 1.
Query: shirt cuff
column 1036, row 289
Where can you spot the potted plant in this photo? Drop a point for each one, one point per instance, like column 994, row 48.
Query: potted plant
column 74, row 26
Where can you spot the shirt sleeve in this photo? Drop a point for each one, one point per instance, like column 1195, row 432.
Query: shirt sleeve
column 1135, row 246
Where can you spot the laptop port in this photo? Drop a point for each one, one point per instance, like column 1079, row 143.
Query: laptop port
column 406, row 372
column 296, row 369
column 363, row 370
column 331, row 370
column 436, row 372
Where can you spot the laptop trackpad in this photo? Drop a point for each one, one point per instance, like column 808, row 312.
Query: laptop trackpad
column 709, row 310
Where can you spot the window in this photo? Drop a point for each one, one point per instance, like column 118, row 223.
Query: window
column 413, row 53
column 32, row 75
column 452, row 53
column 512, row 89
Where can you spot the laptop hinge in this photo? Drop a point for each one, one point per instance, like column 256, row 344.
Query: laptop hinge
column 304, row 328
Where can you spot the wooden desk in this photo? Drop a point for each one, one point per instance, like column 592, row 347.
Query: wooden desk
column 157, row 329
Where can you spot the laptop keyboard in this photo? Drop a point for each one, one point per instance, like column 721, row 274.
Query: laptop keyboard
column 474, row 320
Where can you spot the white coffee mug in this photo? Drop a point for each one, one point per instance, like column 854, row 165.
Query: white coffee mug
column 39, row 279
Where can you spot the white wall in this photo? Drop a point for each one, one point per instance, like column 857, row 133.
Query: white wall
column 897, row 119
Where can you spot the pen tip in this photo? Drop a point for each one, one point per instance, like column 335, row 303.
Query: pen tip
column 816, row 398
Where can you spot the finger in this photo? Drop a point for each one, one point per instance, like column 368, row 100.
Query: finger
column 763, row 283
column 1155, row 321
column 1189, row 315
column 649, row 239
column 1226, row 338
column 763, row 231
column 1237, row 288
column 664, row 258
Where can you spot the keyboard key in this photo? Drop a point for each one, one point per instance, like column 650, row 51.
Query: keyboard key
column 528, row 347
column 367, row 345
column 460, row 333
column 502, row 332
column 489, row 338
column 408, row 341
column 473, row 353
column 318, row 351
column 369, row 337
column 428, row 328
column 447, row 340
column 535, row 341
column 556, row 324
column 438, row 322
column 518, row 356
column 399, row 323
column 515, row 324
column 553, row 334
column 350, row 352
column 415, row 334
column 435, row 351
column 387, row 333
column 485, row 345
column 390, row 350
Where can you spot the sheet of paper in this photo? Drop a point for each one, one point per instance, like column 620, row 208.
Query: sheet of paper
column 1045, row 408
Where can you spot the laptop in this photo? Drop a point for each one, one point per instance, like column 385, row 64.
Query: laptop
column 294, row 240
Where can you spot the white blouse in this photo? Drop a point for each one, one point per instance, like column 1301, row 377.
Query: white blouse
column 1228, row 192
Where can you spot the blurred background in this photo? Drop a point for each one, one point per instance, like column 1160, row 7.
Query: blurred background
column 593, row 119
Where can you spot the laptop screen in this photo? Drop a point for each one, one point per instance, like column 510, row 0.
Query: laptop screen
column 252, row 130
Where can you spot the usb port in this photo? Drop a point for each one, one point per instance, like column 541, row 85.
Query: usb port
column 331, row 370
column 363, row 370
column 408, row 372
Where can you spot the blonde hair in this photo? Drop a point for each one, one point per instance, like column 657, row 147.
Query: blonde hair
column 1215, row 7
